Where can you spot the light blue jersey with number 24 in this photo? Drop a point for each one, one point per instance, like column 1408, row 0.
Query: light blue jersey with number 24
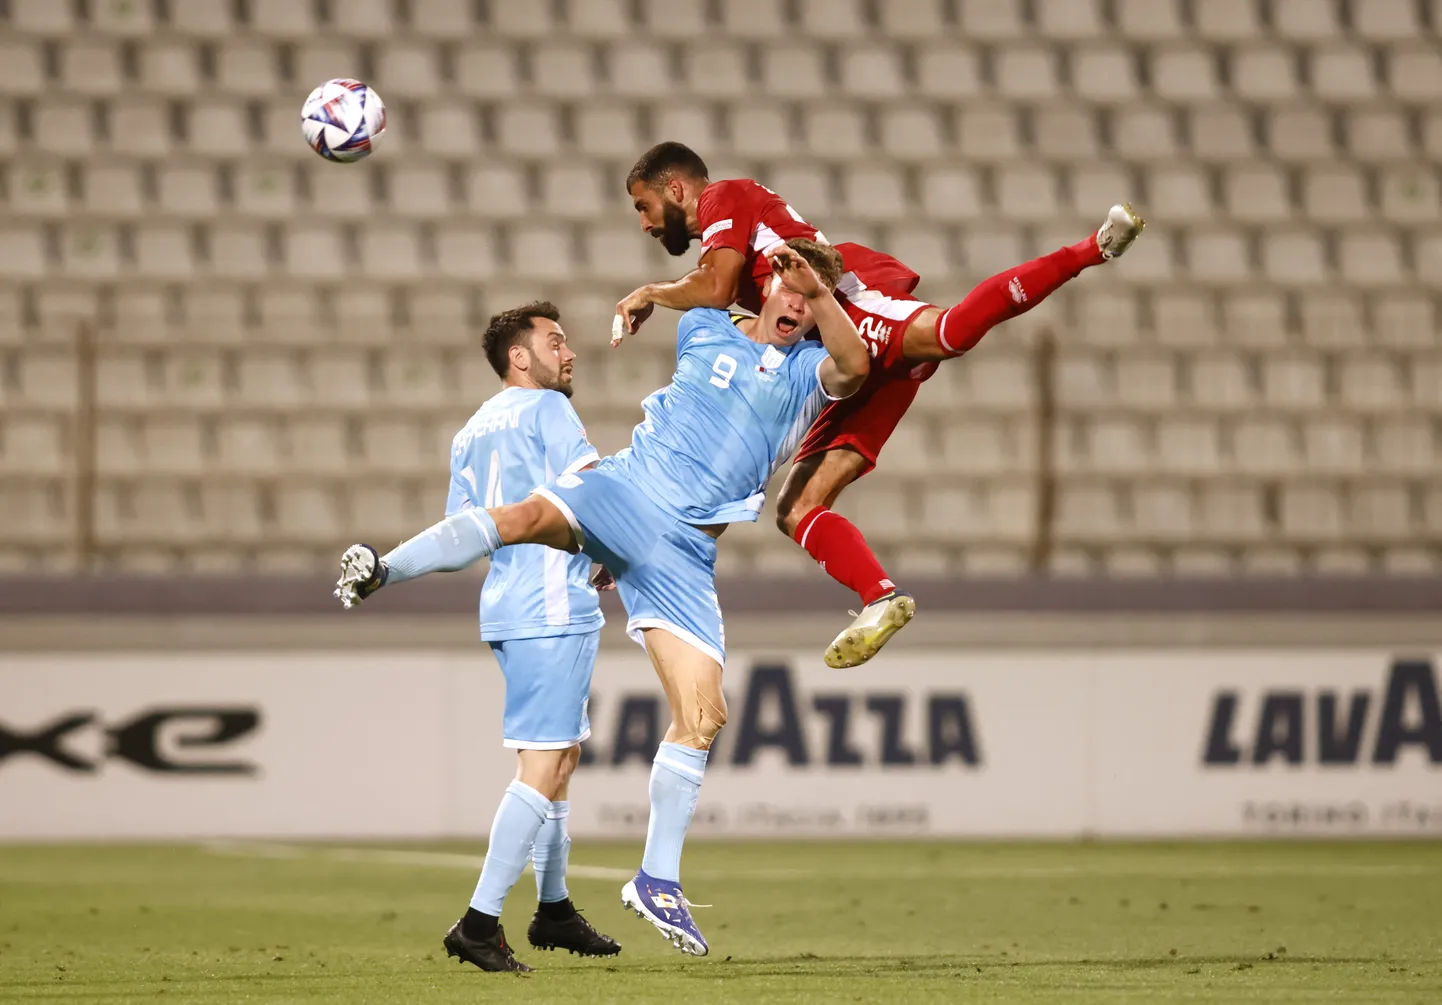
column 520, row 439
column 733, row 413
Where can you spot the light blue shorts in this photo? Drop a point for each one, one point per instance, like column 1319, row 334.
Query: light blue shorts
column 665, row 569
column 548, row 683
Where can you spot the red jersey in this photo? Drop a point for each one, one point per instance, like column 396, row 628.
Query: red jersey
column 748, row 217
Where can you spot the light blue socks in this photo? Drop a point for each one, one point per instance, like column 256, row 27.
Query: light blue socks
column 455, row 543
column 676, row 776
column 553, row 850
column 513, row 834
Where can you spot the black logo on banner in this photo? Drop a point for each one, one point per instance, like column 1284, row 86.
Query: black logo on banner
column 1287, row 724
column 156, row 739
column 772, row 715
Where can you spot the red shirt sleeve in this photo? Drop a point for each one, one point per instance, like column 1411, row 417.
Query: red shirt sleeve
column 726, row 213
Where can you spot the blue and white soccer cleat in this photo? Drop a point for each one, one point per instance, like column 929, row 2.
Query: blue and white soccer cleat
column 664, row 905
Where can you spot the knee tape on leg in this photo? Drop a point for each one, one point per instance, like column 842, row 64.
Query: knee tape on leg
column 702, row 716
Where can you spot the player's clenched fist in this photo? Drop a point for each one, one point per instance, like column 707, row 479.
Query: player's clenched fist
column 631, row 313
column 796, row 273
column 361, row 573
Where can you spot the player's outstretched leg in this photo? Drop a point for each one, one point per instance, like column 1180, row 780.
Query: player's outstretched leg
column 938, row 334
column 692, row 681
column 557, row 924
column 805, row 515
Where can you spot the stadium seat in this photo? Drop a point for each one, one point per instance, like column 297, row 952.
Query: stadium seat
column 1188, row 444
column 1378, row 133
column 1215, row 255
column 407, row 70
column 1370, row 258
column 1143, row 132
column 443, row 19
column 1162, row 512
column 1405, row 319
column 391, row 251
column 1332, row 320
column 761, row 131
column 496, row 190
column 315, row 251
column 1026, row 72
column 1264, row 73
column 609, row 131
column 528, row 129
column 1379, row 511
column 1256, row 192
column 187, row 189
column 1104, row 73
column 419, row 191
column 1293, row 257
column 164, row 251
column 951, row 193
column 1333, row 444
column 1180, row 192
column 1371, row 383
column 675, row 19
column 307, row 512
column 249, row 68
column 1404, row 444
column 717, row 69
column 1300, row 133
column 1149, row 20
column 239, row 250
column 1334, row 193
column 873, row 193
column 1088, row 512
column 989, row 133
column 1185, row 74
column 755, row 19
column 1414, row 72
column 369, row 19
column 88, row 66
column 1231, row 511
column 692, row 124
column 21, row 68
column 249, row 445
column 484, row 70
column 466, row 251
column 1292, row 381
column 1310, row 512
column 831, row 19
column 990, row 20
column 617, row 253
column 90, row 251
column 1409, row 194
column 1385, row 20
column 928, row 250
column 948, row 72
column 269, row 380
column 834, row 133
column 917, row 20
column 1220, row 132
column 988, row 252
column 871, row 72
column 1026, row 192
column 33, row 445
column 1306, row 20
column 601, row 19
column 806, row 187
column 1255, row 316
column 797, row 70
column 217, row 127
column 1341, row 73
column 540, row 252
column 1227, row 20
column 638, row 69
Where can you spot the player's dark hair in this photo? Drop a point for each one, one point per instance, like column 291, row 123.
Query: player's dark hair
column 513, row 327
column 825, row 259
column 665, row 160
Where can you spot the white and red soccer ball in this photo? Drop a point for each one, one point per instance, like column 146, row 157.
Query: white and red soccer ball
column 342, row 120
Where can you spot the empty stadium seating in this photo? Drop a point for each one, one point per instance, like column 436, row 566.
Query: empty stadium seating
column 278, row 349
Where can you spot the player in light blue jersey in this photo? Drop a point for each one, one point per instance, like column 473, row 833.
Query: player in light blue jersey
column 744, row 391
column 542, row 617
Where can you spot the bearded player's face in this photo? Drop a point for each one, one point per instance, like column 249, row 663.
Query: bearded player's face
column 662, row 217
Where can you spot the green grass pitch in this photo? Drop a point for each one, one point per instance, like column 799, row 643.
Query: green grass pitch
column 816, row 922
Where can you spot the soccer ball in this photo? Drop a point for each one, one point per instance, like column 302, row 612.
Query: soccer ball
column 342, row 120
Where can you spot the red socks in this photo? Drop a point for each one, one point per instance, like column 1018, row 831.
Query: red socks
column 838, row 546
column 1010, row 293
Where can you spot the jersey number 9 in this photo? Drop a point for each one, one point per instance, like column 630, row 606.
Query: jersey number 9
column 723, row 370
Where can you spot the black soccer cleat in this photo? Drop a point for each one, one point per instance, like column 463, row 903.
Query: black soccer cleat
column 492, row 955
column 573, row 934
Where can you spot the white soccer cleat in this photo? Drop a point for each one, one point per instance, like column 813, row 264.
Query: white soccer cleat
column 871, row 630
column 361, row 574
column 1119, row 231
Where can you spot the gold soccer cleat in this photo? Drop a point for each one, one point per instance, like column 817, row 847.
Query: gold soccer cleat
column 871, row 630
column 1119, row 231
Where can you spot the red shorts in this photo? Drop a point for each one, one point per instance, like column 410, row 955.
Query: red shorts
column 864, row 421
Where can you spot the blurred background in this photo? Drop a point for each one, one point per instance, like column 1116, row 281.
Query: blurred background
column 222, row 359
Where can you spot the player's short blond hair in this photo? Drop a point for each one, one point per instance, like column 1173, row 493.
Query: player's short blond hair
column 825, row 259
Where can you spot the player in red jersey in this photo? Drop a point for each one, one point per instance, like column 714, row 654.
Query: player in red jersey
column 738, row 223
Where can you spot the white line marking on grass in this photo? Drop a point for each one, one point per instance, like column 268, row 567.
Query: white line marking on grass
column 387, row 856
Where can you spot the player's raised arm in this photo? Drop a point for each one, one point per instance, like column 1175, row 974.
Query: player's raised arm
column 848, row 363
column 713, row 283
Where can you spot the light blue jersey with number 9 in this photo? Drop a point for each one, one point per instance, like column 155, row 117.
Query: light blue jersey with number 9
column 516, row 441
column 733, row 413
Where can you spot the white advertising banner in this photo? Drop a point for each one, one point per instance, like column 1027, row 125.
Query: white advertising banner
column 1045, row 743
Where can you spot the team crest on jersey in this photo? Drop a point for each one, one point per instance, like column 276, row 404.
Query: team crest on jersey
column 772, row 358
